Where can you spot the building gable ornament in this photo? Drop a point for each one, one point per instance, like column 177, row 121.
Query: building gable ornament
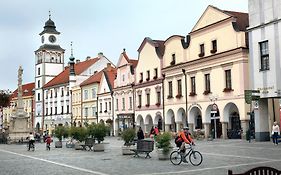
column 139, row 92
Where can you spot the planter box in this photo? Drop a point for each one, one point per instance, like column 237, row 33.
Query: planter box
column 78, row 146
column 162, row 156
column 99, row 147
column 58, row 144
column 126, row 150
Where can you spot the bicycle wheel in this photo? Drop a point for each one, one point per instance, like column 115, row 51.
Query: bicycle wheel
column 175, row 158
column 195, row 158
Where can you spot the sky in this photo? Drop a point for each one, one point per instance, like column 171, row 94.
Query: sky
column 93, row 26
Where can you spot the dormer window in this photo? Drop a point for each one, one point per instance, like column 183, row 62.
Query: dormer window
column 173, row 62
column 202, row 50
column 214, row 46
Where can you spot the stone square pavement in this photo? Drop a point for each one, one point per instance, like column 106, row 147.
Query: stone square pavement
column 218, row 157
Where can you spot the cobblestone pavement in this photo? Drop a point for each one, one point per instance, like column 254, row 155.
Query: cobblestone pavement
column 218, row 155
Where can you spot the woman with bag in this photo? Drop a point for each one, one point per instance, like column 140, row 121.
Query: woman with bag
column 275, row 133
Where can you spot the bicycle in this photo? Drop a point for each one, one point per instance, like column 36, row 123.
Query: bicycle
column 195, row 157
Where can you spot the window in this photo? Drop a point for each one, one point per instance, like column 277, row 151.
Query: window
column 198, row 121
column 105, row 107
column 141, row 77
column 147, row 75
column 193, row 87
column 264, row 55
column 131, row 102
column 94, row 110
column 173, row 62
column 123, row 104
column 61, row 109
column 67, row 109
column 116, row 104
column 94, row 94
column 158, row 98
column 85, row 94
column 38, row 83
column 170, row 89
column 56, row 92
column 228, row 85
column 155, row 73
column 51, row 111
column 62, row 92
column 100, row 107
column 202, row 50
column 179, row 88
column 46, row 111
column 109, row 106
column 67, row 91
column 139, row 101
column 38, row 96
column 207, row 84
column 51, row 93
column 86, row 112
column 56, row 110
column 147, row 100
column 214, row 46
column 46, row 94
column 123, row 77
column 38, row 70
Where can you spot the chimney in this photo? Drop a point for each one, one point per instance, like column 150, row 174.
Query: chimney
column 87, row 58
column 108, row 67
column 100, row 54
column 77, row 61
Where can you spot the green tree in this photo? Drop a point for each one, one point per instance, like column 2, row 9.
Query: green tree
column 5, row 98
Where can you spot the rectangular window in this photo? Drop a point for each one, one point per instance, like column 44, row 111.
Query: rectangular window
column 264, row 55
column 62, row 92
column 123, row 78
column 85, row 94
column 155, row 73
column 61, row 109
column 193, row 86
column 51, row 93
column 56, row 110
column 170, row 89
column 141, row 77
column 56, row 93
column 159, row 98
column 147, row 99
column 46, row 94
column 228, row 84
column 94, row 110
column 67, row 109
column 139, row 100
column 38, row 70
column 109, row 106
column 86, row 112
column 38, row 96
column 179, row 88
column 202, row 50
column 105, row 107
column 131, row 102
column 147, row 75
column 123, row 104
column 51, row 111
column 116, row 104
column 67, row 91
column 38, row 83
column 94, row 94
column 46, row 111
column 207, row 83
column 214, row 46
column 173, row 61
column 100, row 107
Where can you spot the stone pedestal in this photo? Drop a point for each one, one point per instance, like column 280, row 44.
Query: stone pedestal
column 19, row 129
column 207, row 129
column 224, row 130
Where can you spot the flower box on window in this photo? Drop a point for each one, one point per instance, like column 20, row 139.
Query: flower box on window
column 179, row 96
column 105, row 111
column 206, row 92
column 227, row 89
column 157, row 104
column 147, row 105
column 201, row 54
column 173, row 62
column 147, row 79
column 213, row 50
column 141, row 81
column 192, row 94
column 155, row 77
column 139, row 106
column 170, row 96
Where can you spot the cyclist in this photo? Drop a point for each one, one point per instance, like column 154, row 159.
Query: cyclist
column 182, row 139
column 31, row 141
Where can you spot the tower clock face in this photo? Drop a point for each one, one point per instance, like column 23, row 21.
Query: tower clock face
column 42, row 39
column 52, row 39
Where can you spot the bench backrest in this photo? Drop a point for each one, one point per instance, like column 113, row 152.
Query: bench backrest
column 145, row 145
column 259, row 171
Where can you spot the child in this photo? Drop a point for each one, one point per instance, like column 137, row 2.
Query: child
column 48, row 143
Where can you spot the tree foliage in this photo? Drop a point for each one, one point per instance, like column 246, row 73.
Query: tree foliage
column 4, row 98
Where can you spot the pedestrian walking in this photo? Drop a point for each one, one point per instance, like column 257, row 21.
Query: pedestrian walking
column 48, row 143
column 275, row 133
column 140, row 134
column 152, row 132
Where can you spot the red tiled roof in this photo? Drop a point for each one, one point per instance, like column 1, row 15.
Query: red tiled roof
column 63, row 77
column 92, row 79
column 26, row 90
column 111, row 74
column 242, row 19
column 131, row 61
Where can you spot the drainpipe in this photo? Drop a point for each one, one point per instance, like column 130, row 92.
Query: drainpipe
column 163, row 99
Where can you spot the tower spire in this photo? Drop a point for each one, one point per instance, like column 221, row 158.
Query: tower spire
column 71, row 48
column 49, row 14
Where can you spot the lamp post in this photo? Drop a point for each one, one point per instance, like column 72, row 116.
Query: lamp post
column 185, row 90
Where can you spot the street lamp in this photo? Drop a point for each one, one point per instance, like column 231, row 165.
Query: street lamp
column 184, row 73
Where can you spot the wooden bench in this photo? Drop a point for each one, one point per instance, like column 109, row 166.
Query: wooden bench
column 259, row 171
column 89, row 143
column 144, row 146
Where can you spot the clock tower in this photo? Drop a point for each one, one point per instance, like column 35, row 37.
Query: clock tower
column 49, row 62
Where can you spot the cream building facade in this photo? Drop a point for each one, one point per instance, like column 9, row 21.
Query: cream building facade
column 148, row 84
column 209, row 66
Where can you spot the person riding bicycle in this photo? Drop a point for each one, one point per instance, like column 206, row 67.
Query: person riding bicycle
column 31, row 141
column 184, row 138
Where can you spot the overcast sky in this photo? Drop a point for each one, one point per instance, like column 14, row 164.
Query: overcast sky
column 94, row 26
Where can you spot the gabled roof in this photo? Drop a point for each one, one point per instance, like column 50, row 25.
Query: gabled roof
column 26, row 90
column 158, row 44
column 63, row 77
column 92, row 79
column 240, row 24
column 110, row 77
column 130, row 61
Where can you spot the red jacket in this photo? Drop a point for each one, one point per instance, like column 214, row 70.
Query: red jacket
column 48, row 140
column 187, row 139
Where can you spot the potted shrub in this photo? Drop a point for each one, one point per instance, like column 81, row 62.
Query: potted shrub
column 128, row 136
column 80, row 134
column 60, row 131
column 163, row 145
column 98, row 132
